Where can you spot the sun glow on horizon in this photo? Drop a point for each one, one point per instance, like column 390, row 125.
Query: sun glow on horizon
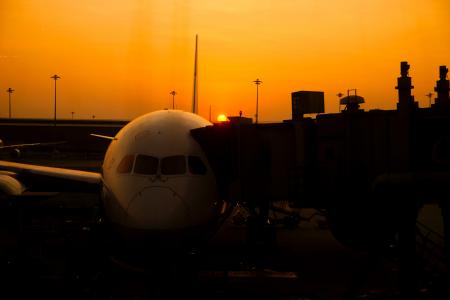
column 222, row 118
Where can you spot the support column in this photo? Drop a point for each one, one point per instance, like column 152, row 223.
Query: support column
column 407, row 249
column 445, row 208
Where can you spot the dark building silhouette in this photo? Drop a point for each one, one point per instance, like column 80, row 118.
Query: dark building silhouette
column 442, row 88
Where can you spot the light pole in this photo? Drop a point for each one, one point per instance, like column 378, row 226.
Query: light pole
column 10, row 91
column 55, row 77
column 339, row 96
column 257, row 82
column 173, row 93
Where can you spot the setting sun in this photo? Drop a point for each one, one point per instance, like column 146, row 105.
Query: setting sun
column 222, row 118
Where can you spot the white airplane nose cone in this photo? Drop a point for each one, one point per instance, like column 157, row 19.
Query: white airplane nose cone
column 159, row 208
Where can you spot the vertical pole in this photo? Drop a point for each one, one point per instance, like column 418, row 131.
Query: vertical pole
column 10, row 91
column 257, row 82
column 55, row 105
column 445, row 210
column 9, row 97
column 195, row 92
column 339, row 96
column 407, row 249
column 257, row 98
column 55, row 77
column 173, row 93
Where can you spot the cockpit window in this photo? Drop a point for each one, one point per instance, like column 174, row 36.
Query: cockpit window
column 145, row 164
column 196, row 165
column 126, row 164
column 173, row 165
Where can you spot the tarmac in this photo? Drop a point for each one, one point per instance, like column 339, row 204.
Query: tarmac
column 55, row 254
column 51, row 249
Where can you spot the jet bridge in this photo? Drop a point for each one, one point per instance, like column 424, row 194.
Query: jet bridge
column 335, row 158
column 370, row 170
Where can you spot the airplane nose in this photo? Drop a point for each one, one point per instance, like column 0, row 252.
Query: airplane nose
column 159, row 208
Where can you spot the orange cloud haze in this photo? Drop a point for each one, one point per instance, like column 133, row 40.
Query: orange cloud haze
column 120, row 59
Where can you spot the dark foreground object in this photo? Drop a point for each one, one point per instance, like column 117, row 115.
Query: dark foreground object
column 54, row 250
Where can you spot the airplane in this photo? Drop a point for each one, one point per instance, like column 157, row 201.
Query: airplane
column 155, row 178
column 8, row 184
column 15, row 148
column 156, row 183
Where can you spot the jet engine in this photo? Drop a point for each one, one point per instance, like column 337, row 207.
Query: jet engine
column 9, row 185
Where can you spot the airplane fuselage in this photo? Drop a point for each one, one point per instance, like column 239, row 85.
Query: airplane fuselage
column 157, row 180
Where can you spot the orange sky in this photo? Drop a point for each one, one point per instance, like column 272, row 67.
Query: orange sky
column 120, row 59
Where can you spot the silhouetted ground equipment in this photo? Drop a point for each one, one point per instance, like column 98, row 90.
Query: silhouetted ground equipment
column 430, row 247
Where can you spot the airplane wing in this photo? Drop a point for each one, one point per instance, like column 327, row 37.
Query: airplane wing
column 31, row 145
column 68, row 174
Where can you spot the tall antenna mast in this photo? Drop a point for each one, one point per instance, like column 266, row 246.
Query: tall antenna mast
column 195, row 95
